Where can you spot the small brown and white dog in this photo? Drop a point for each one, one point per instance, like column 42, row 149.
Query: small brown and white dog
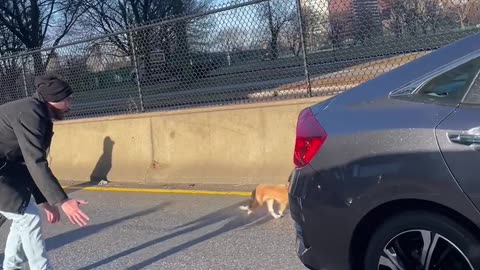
column 268, row 194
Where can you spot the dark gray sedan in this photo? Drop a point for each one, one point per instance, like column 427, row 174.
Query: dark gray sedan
column 387, row 174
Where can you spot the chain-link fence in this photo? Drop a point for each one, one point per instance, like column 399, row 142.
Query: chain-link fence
column 243, row 52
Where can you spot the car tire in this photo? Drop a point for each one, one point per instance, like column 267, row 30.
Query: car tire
column 418, row 240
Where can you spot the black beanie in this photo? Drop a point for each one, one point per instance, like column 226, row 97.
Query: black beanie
column 52, row 89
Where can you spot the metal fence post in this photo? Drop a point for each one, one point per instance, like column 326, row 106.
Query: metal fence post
column 135, row 62
column 304, row 47
column 24, row 76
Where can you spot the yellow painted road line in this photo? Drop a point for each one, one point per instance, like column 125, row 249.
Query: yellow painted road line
column 161, row 191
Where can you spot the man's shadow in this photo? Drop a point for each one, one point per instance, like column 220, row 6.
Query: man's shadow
column 104, row 163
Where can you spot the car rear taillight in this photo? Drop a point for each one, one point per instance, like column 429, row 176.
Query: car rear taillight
column 310, row 138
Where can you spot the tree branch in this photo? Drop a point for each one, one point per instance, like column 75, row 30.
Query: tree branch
column 47, row 23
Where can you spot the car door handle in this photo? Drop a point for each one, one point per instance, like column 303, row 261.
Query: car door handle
column 465, row 139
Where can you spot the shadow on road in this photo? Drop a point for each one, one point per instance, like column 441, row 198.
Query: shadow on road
column 236, row 220
column 60, row 240
column 77, row 187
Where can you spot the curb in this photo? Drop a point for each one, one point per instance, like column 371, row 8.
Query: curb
column 161, row 191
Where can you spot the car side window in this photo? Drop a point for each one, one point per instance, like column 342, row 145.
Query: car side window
column 473, row 95
column 451, row 86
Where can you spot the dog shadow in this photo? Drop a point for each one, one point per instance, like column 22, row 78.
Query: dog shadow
column 239, row 220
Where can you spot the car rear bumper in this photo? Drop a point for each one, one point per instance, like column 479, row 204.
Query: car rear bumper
column 304, row 253
column 322, row 226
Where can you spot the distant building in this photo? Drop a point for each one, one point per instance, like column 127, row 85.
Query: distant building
column 368, row 20
column 341, row 18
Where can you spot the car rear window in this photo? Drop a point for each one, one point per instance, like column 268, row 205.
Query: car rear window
column 447, row 88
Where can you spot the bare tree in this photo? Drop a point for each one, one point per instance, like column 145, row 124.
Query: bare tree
column 10, row 74
column 277, row 13
column 434, row 16
column 473, row 12
column 291, row 39
column 291, row 34
column 9, row 43
column 110, row 16
column 199, row 32
column 416, row 16
column 10, row 67
column 463, row 12
column 231, row 39
column 31, row 21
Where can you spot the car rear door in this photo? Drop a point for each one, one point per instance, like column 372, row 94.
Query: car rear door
column 458, row 136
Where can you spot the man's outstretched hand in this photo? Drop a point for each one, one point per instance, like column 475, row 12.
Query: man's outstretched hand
column 53, row 216
column 73, row 212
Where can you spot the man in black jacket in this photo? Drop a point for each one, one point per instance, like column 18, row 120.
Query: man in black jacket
column 26, row 130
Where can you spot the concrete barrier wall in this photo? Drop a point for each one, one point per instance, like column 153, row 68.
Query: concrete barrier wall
column 241, row 144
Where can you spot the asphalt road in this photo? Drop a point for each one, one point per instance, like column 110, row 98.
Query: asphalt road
column 150, row 231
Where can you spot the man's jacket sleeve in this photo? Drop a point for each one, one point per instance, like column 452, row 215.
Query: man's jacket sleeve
column 30, row 130
column 37, row 194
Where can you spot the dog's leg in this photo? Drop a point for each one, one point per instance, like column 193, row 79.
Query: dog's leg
column 283, row 207
column 244, row 207
column 252, row 204
column 270, row 208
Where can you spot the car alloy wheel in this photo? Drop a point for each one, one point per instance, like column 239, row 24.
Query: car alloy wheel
column 422, row 250
column 422, row 240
